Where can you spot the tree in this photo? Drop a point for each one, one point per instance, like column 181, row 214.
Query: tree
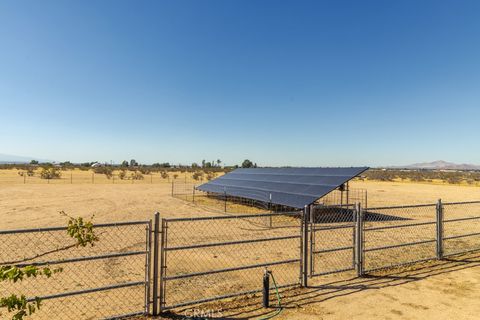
column 34, row 162
column 133, row 163
column 247, row 164
column 219, row 162
column 124, row 163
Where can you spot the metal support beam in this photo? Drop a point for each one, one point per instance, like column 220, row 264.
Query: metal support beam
column 439, row 229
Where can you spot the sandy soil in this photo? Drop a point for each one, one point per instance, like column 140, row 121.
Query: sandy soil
column 442, row 290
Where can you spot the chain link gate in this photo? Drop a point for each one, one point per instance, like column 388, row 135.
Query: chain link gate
column 204, row 259
column 332, row 239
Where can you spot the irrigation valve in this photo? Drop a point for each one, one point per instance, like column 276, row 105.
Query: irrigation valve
column 266, row 288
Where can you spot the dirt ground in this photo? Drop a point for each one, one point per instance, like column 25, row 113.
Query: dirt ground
column 444, row 290
column 439, row 290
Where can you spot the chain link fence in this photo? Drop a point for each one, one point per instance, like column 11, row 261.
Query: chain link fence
column 461, row 227
column 395, row 236
column 202, row 259
column 223, row 202
column 90, row 176
column 206, row 259
column 107, row 280
column 332, row 239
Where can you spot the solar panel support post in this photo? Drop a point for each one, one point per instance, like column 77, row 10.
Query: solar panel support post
column 439, row 225
column 305, row 223
column 359, row 266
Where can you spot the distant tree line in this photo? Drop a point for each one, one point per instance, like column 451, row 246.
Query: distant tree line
column 127, row 169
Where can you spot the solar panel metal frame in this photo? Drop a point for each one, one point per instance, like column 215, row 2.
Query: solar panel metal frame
column 292, row 187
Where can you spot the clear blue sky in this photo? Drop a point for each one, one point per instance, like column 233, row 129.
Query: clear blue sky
column 279, row 82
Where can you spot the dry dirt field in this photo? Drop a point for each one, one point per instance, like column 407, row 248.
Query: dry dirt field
column 444, row 290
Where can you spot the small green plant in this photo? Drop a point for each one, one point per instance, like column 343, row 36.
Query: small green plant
column 81, row 230
column 13, row 273
column 20, row 304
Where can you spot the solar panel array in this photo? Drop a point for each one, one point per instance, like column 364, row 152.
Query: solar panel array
column 292, row 187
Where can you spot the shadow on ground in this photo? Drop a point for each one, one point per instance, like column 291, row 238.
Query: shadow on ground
column 321, row 290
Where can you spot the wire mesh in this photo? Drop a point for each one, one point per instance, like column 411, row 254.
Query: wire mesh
column 394, row 236
column 348, row 197
column 211, row 258
column 461, row 227
column 224, row 202
column 108, row 279
column 332, row 239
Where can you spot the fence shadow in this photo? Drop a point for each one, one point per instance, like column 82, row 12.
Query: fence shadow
column 336, row 215
column 314, row 294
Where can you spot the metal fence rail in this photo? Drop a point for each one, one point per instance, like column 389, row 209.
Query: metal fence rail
column 332, row 239
column 211, row 258
column 394, row 236
column 202, row 259
column 109, row 280
column 461, row 227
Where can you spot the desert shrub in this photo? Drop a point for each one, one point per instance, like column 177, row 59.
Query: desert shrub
column 175, row 176
column 210, row 176
column 164, row 175
column 197, row 175
column 144, row 170
column 107, row 171
column 454, row 180
column 136, row 175
column 50, row 173
column 122, row 174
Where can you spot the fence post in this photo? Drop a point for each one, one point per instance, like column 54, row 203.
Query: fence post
column 306, row 217
column 193, row 194
column 156, row 280
column 172, row 188
column 439, row 225
column 311, row 219
column 359, row 263
column 225, row 196
column 148, row 264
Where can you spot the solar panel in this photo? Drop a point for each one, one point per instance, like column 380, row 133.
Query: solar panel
column 292, row 187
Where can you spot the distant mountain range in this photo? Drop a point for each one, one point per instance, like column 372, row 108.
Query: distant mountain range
column 440, row 165
column 8, row 159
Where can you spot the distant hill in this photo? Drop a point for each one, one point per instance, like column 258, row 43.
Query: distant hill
column 441, row 165
column 12, row 159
